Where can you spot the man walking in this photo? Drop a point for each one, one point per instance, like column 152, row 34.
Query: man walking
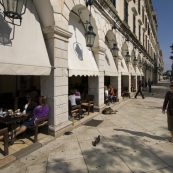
column 139, row 90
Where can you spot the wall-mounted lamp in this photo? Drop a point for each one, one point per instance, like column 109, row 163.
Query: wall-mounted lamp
column 13, row 10
column 89, row 34
column 135, row 61
column 127, row 57
column 115, row 50
column 140, row 64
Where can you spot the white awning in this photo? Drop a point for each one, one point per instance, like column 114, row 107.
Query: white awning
column 142, row 74
column 132, row 70
column 109, row 64
column 137, row 71
column 81, row 60
column 124, row 70
column 23, row 50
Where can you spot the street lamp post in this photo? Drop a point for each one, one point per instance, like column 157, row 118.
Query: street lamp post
column 127, row 57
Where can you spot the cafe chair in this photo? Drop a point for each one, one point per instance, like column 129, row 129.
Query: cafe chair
column 88, row 103
column 74, row 110
column 39, row 123
column 4, row 132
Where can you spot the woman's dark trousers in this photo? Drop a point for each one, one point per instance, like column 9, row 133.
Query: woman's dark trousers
column 139, row 91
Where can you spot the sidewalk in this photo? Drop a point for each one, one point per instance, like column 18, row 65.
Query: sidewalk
column 133, row 140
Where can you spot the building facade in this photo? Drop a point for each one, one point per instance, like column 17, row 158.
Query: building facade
column 49, row 51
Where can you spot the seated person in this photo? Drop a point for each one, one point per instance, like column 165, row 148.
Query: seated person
column 29, row 107
column 72, row 97
column 39, row 111
column 77, row 93
column 111, row 93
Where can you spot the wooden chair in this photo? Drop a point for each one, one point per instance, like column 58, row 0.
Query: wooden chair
column 39, row 123
column 88, row 103
column 4, row 132
column 125, row 92
column 115, row 96
column 75, row 110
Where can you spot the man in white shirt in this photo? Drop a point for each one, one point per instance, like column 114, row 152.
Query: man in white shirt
column 72, row 97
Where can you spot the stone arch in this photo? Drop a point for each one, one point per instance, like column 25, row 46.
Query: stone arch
column 46, row 19
column 110, row 38
column 82, row 13
column 124, row 49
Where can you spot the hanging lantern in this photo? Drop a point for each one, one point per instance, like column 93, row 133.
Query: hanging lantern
column 115, row 50
column 90, row 37
column 135, row 61
column 127, row 57
column 140, row 64
column 13, row 9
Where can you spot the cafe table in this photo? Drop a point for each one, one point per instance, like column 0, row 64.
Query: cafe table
column 11, row 121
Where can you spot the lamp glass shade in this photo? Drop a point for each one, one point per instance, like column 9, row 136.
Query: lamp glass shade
column 114, row 50
column 90, row 37
column 13, row 8
column 127, row 57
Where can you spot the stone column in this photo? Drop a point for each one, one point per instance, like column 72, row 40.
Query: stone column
column 118, row 64
column 96, row 84
column 55, row 86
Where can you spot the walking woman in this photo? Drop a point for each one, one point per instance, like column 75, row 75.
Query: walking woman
column 139, row 90
column 168, row 104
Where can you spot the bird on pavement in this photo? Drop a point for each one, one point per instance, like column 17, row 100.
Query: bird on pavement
column 97, row 140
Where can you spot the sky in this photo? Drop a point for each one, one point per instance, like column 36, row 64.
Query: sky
column 164, row 15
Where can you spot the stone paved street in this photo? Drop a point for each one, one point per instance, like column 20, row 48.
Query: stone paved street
column 133, row 140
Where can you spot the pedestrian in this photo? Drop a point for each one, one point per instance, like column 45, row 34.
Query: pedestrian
column 168, row 104
column 139, row 90
column 149, row 85
column 132, row 87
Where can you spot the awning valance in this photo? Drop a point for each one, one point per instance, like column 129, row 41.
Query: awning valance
column 81, row 60
column 23, row 50
column 109, row 63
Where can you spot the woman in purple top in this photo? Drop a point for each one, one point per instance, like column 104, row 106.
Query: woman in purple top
column 39, row 111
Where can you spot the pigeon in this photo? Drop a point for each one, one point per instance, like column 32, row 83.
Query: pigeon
column 96, row 141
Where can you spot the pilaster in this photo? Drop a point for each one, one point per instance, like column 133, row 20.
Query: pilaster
column 55, row 86
column 96, row 84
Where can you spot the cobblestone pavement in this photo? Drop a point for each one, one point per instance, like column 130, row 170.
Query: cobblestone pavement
column 135, row 139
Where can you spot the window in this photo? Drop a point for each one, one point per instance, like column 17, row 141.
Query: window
column 113, row 2
column 143, row 38
column 145, row 22
column 148, row 46
column 125, row 11
column 148, row 30
column 139, row 32
column 143, row 14
column 146, row 42
column 139, row 6
column 134, row 24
